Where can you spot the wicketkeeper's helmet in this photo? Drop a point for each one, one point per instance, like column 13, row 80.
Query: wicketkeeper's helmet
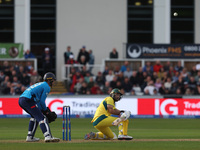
column 115, row 91
column 49, row 77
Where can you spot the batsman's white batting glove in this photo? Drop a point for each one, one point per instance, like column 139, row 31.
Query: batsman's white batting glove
column 124, row 116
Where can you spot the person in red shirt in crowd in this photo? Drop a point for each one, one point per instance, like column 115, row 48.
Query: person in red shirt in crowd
column 75, row 79
column 157, row 66
column 71, row 60
column 96, row 89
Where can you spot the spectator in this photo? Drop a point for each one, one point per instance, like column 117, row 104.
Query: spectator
column 123, row 67
column 188, row 91
column 4, row 83
column 83, row 52
column 87, row 77
column 167, row 66
column 127, row 86
column 83, row 89
column 19, row 89
column 140, row 77
column 158, row 84
column 192, row 83
column 117, row 70
column 178, row 67
column 155, row 92
column 106, row 87
column 149, row 72
column 119, row 85
column 28, row 54
column 2, row 76
column 133, row 78
column 91, row 60
column 25, row 80
column 149, row 88
column 175, row 77
column 113, row 54
column 163, row 90
column 7, row 89
column 146, row 79
column 109, row 77
column 197, row 77
column 157, row 66
column 15, row 82
column 180, row 82
column 100, row 79
column 47, row 61
column 75, row 79
column 162, row 75
column 113, row 83
column 67, row 53
column 171, row 71
column 91, row 83
column 128, row 73
column 84, row 71
column 120, row 77
column 71, row 60
column 154, row 76
column 6, row 68
column 16, row 66
column 168, row 83
column 193, row 71
column 147, row 66
column 83, row 60
column 78, row 85
column 197, row 90
column 95, row 89
column 178, row 91
column 185, row 75
column 186, row 85
column 35, row 77
column 173, row 88
column 133, row 92
column 28, row 67
column 106, row 70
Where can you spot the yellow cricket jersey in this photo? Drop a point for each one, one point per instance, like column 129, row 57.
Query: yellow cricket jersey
column 102, row 109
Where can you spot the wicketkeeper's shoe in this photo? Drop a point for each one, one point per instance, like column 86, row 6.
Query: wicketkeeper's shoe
column 51, row 139
column 124, row 137
column 90, row 135
column 32, row 139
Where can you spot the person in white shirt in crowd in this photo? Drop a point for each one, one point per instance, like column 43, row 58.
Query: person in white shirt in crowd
column 150, row 87
column 128, row 73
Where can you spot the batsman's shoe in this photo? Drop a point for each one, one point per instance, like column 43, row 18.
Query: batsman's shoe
column 32, row 139
column 90, row 135
column 51, row 139
column 124, row 137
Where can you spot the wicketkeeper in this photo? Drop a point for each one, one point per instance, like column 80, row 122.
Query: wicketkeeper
column 103, row 120
column 32, row 101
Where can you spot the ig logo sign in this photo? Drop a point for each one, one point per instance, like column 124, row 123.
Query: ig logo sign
column 166, row 107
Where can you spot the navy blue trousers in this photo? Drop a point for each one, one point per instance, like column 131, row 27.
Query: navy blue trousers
column 31, row 108
column 29, row 105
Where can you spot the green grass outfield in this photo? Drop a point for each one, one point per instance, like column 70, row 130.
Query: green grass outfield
column 148, row 134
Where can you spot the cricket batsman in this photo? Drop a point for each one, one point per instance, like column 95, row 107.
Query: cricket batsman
column 103, row 120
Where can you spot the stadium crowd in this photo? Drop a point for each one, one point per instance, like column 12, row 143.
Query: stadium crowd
column 155, row 78
column 152, row 79
column 14, row 79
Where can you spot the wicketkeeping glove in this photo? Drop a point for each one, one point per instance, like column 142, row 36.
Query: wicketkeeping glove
column 51, row 116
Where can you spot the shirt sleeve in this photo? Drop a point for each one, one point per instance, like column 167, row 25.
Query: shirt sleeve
column 110, row 101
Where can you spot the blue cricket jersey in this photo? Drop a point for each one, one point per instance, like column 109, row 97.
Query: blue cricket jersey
column 39, row 92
